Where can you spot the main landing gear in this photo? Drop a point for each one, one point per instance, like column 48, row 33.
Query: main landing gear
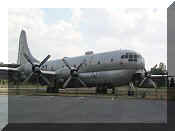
column 131, row 89
column 52, row 88
column 103, row 89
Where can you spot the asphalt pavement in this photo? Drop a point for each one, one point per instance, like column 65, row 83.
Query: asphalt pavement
column 63, row 109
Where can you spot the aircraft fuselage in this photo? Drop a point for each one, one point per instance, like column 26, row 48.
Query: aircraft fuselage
column 115, row 67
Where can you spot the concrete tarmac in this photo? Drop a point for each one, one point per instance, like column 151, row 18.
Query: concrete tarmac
column 62, row 109
column 3, row 111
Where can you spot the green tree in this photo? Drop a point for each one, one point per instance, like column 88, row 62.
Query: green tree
column 161, row 70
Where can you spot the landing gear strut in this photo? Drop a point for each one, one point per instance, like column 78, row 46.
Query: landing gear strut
column 131, row 87
column 52, row 88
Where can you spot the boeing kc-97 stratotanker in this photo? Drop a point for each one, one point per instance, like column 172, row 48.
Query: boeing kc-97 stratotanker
column 102, row 70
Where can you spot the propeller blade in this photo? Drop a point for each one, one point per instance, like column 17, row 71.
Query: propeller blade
column 141, row 83
column 78, row 68
column 45, row 79
column 66, row 63
column 153, row 83
column 44, row 61
column 28, row 78
column 67, row 82
column 82, row 82
column 28, row 59
column 145, row 70
column 146, row 73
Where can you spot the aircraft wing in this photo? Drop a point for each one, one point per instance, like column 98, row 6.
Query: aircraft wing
column 10, row 65
column 49, row 74
column 159, row 76
column 6, row 73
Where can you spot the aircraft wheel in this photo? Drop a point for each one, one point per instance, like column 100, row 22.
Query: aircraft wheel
column 55, row 90
column 52, row 90
column 113, row 90
column 49, row 90
column 99, row 90
column 104, row 90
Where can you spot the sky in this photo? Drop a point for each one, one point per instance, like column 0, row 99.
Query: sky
column 68, row 32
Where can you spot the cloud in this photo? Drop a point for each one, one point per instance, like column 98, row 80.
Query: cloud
column 100, row 30
column 143, row 30
column 57, row 39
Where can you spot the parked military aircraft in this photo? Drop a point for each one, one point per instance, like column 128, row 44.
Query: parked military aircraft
column 102, row 70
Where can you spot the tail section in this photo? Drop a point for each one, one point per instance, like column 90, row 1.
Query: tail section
column 23, row 48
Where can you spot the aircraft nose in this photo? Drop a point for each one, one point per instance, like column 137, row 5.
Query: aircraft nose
column 142, row 62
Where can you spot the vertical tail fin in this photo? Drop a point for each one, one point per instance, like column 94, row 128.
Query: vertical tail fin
column 23, row 48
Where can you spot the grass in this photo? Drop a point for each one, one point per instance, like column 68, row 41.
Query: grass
column 120, row 92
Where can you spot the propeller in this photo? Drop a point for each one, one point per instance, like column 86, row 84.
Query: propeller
column 36, row 69
column 147, row 77
column 73, row 74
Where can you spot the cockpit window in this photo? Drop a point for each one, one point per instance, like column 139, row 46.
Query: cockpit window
column 130, row 56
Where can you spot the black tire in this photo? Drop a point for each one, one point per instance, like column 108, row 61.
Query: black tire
column 49, row 90
column 52, row 90
column 104, row 90
column 97, row 90
column 113, row 90
column 101, row 90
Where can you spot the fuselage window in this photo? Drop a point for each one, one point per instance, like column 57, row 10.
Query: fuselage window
column 126, row 56
column 123, row 56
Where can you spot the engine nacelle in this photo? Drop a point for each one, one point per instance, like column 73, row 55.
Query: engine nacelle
column 62, row 73
column 27, row 68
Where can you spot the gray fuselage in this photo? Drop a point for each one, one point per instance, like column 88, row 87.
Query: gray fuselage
column 114, row 68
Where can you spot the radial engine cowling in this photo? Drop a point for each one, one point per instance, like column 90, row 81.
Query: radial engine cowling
column 62, row 73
